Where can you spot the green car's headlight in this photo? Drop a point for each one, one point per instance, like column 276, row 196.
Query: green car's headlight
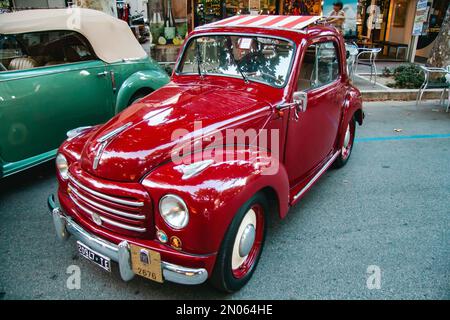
column 174, row 211
column 62, row 165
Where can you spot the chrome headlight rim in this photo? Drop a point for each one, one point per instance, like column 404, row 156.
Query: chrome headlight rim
column 165, row 217
column 62, row 165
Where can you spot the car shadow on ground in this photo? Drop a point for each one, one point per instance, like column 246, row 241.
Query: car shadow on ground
column 42, row 173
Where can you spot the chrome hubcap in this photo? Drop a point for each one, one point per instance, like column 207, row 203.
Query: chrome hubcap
column 245, row 238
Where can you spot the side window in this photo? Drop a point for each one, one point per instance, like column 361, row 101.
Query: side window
column 10, row 49
column 41, row 49
column 320, row 66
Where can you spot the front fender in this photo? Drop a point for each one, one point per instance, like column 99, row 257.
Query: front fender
column 213, row 197
column 145, row 79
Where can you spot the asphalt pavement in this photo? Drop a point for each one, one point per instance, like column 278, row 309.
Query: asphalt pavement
column 387, row 210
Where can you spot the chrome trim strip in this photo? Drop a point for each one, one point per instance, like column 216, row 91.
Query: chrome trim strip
column 75, row 132
column 193, row 169
column 111, row 222
column 98, row 155
column 113, row 132
column 105, row 140
column 106, row 197
column 121, row 253
column 110, row 210
column 318, row 174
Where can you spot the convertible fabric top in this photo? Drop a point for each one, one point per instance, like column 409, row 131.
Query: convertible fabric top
column 265, row 21
column 111, row 38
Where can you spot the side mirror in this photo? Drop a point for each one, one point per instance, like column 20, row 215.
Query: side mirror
column 300, row 98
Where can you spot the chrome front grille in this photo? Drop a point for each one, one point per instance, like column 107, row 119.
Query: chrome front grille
column 109, row 211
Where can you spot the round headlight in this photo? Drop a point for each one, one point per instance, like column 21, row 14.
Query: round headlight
column 174, row 211
column 62, row 165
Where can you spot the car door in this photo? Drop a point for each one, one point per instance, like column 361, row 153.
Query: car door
column 312, row 131
column 52, row 83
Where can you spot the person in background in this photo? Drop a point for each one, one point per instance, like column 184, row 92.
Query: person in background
column 337, row 16
column 296, row 8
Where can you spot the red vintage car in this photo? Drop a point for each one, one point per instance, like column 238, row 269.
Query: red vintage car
column 164, row 191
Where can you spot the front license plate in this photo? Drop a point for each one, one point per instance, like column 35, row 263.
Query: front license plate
column 146, row 263
column 95, row 257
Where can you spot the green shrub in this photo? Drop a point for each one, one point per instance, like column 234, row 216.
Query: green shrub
column 408, row 76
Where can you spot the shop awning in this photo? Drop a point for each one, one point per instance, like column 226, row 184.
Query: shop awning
column 265, row 21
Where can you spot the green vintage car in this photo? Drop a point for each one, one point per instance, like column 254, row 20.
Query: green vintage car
column 62, row 69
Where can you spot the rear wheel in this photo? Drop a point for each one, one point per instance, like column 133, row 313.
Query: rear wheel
column 242, row 246
column 347, row 145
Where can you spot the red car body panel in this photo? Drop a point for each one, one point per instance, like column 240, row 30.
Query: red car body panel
column 137, row 162
column 177, row 105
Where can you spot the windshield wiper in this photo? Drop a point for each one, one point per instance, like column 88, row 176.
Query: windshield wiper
column 199, row 59
column 230, row 50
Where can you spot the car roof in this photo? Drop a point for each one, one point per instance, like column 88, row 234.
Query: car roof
column 97, row 27
column 270, row 22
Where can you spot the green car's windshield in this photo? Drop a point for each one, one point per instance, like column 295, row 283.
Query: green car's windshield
column 255, row 58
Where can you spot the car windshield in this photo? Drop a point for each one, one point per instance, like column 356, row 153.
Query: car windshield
column 262, row 59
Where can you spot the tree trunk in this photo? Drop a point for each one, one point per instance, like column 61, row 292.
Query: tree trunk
column 440, row 54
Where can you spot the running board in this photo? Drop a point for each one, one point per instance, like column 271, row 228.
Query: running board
column 317, row 176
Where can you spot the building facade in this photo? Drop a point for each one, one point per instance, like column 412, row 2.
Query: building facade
column 386, row 23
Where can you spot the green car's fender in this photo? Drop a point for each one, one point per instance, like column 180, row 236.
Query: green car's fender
column 144, row 81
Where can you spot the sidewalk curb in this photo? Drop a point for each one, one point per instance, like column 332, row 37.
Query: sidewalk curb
column 405, row 95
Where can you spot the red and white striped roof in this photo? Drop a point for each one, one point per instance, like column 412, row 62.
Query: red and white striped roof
column 265, row 21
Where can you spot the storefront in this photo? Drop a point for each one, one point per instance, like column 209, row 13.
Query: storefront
column 432, row 27
column 382, row 23
column 389, row 23
column 206, row 11
column 385, row 23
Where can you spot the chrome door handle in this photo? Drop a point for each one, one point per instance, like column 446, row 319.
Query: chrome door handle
column 296, row 112
column 102, row 74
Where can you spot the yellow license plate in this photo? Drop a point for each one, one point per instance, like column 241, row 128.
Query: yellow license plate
column 146, row 263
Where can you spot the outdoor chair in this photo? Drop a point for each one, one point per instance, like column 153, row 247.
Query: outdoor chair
column 352, row 51
column 370, row 56
column 429, row 84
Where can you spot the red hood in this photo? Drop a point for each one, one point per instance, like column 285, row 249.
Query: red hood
column 147, row 140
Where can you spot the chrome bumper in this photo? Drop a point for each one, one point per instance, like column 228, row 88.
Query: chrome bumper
column 66, row 226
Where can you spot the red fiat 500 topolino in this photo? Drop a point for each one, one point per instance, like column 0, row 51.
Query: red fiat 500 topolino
column 126, row 197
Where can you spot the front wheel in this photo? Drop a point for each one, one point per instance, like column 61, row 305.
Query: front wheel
column 138, row 96
column 242, row 246
column 346, row 148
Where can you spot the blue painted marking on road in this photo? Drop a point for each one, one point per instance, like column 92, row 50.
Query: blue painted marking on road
column 413, row 137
